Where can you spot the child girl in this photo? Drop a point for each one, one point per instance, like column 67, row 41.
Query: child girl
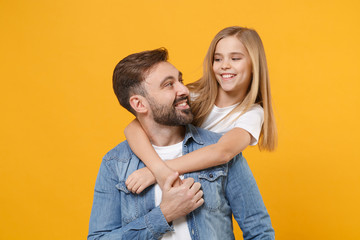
column 232, row 98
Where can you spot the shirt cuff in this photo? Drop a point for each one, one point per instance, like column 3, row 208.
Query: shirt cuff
column 156, row 223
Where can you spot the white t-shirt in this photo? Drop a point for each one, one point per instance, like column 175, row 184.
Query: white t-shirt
column 180, row 225
column 250, row 121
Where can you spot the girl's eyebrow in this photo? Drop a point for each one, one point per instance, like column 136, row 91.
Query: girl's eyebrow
column 230, row 53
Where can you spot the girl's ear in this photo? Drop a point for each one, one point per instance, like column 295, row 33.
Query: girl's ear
column 138, row 103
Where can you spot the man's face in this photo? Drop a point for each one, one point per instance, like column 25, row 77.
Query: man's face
column 167, row 96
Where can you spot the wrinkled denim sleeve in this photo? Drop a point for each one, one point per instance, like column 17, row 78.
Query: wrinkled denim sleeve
column 246, row 202
column 105, row 219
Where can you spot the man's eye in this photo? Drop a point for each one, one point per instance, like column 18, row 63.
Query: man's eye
column 169, row 84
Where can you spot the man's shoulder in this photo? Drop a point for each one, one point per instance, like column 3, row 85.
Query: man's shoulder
column 206, row 136
column 121, row 152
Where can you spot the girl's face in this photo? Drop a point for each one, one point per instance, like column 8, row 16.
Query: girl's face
column 232, row 66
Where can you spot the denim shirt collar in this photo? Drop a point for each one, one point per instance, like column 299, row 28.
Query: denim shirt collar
column 192, row 132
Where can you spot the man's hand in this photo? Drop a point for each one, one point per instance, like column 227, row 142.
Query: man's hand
column 177, row 201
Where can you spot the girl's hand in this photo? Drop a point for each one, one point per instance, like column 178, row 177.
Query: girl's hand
column 163, row 173
column 139, row 180
column 143, row 178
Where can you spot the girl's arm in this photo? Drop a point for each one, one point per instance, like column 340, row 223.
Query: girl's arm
column 228, row 146
column 141, row 146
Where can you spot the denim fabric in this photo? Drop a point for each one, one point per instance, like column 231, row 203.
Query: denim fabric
column 228, row 189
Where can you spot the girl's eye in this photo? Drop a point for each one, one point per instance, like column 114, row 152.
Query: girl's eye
column 236, row 59
column 217, row 60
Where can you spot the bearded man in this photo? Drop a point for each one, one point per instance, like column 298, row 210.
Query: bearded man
column 151, row 88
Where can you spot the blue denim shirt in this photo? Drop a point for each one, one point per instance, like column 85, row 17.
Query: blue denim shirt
column 228, row 189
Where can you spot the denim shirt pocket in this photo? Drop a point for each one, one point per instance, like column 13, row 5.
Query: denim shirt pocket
column 129, row 203
column 212, row 183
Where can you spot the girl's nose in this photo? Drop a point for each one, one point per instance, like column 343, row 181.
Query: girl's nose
column 225, row 64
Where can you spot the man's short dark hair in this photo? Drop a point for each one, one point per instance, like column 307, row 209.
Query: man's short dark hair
column 130, row 72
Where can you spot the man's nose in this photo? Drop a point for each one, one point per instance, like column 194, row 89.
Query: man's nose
column 182, row 89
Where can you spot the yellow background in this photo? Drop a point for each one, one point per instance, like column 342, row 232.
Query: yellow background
column 59, row 115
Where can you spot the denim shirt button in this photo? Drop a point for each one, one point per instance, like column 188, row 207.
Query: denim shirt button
column 211, row 175
column 192, row 232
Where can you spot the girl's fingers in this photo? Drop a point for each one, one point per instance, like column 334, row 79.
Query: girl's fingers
column 140, row 189
column 135, row 187
column 129, row 183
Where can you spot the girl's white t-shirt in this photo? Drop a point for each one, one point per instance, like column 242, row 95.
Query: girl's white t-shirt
column 251, row 121
column 181, row 230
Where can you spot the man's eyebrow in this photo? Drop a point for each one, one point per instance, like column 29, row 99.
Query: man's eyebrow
column 165, row 79
column 170, row 78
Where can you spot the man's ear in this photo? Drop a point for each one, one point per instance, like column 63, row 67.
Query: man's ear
column 138, row 103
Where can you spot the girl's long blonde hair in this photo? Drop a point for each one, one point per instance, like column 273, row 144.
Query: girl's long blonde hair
column 206, row 88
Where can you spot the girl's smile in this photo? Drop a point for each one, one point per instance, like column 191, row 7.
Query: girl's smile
column 226, row 76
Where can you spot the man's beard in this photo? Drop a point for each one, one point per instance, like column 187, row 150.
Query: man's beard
column 169, row 115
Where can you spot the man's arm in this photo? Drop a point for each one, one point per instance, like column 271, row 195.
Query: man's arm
column 106, row 222
column 246, row 201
